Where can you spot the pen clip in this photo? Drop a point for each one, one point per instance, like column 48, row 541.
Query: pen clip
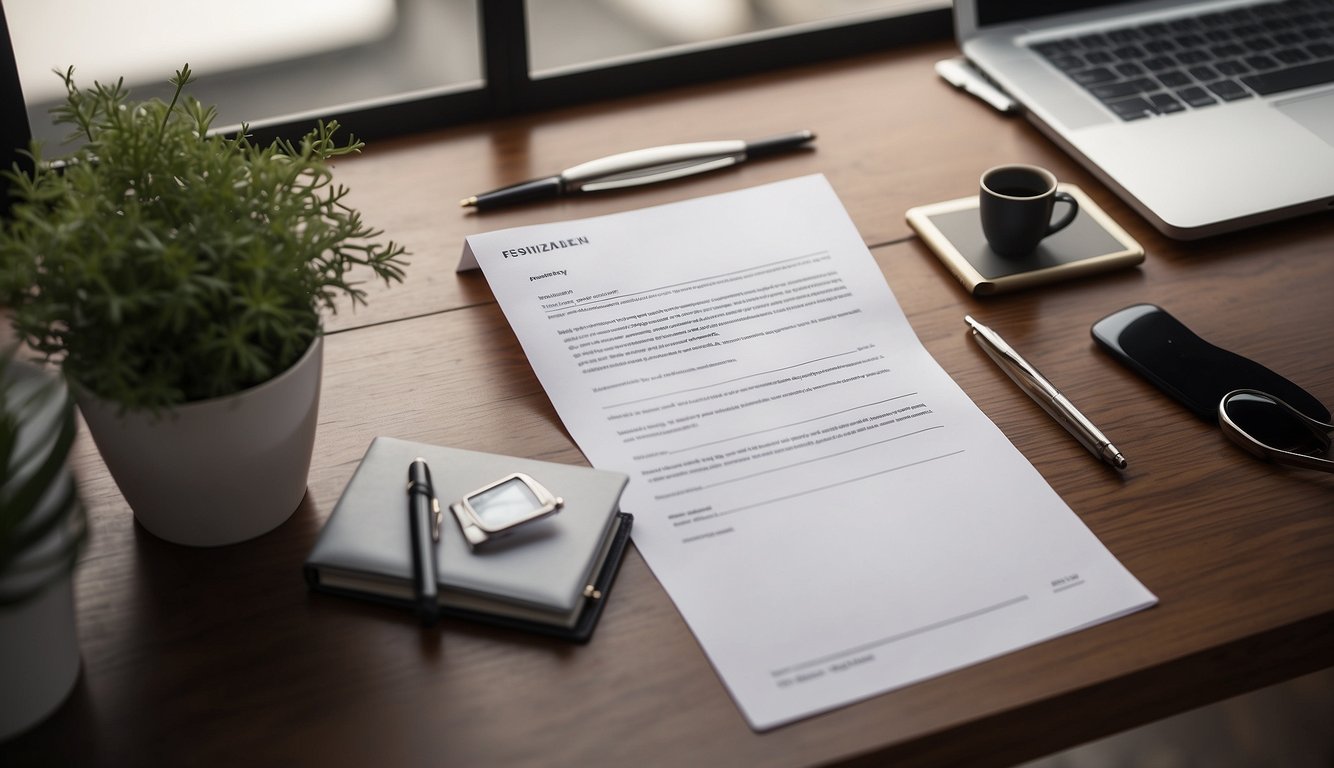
column 1018, row 363
column 1004, row 353
column 651, row 176
column 646, row 166
column 425, row 486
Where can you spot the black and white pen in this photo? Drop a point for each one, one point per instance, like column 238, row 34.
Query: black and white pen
column 959, row 73
column 642, row 166
column 424, row 520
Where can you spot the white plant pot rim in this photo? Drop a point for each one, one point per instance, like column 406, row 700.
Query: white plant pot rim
column 207, row 402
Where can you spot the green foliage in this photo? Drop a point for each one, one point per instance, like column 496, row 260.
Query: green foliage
column 39, row 506
column 163, row 265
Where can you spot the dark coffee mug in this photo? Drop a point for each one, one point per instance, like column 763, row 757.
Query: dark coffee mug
column 1016, row 202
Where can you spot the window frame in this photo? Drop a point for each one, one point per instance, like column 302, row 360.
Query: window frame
column 15, row 133
column 509, row 87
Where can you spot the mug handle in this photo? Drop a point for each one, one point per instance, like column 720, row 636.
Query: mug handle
column 1064, row 197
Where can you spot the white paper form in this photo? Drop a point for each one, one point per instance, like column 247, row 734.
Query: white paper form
column 830, row 513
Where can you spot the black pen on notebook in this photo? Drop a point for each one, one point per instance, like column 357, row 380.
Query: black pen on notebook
column 1036, row 386
column 424, row 520
column 642, row 166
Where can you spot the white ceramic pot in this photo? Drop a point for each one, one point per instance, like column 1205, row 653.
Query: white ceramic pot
column 216, row 471
column 39, row 656
column 39, row 649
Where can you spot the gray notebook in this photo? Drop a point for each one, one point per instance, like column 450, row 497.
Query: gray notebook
column 549, row 576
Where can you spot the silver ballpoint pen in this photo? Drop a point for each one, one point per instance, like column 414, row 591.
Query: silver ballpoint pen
column 1044, row 394
column 641, row 166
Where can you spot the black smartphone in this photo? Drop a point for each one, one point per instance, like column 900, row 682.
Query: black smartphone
column 1151, row 342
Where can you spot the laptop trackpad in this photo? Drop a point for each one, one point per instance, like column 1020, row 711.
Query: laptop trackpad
column 1314, row 113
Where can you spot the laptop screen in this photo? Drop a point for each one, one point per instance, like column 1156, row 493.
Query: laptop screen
column 1003, row 11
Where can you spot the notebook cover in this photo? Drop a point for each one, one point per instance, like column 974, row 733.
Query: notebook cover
column 539, row 572
column 1092, row 243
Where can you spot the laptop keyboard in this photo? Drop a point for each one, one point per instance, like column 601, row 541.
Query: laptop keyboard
column 1195, row 62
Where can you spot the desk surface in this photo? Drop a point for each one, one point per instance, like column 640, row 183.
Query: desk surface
column 222, row 655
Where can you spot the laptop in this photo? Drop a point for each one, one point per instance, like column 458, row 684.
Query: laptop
column 1206, row 117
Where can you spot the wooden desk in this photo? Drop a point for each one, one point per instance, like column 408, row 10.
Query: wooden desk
column 222, row 656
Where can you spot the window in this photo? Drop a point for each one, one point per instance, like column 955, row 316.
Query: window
column 574, row 35
column 385, row 67
column 259, row 61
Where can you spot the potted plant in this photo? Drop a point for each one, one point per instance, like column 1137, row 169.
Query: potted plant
column 178, row 277
column 42, row 529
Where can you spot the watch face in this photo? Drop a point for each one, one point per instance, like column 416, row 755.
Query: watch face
column 506, row 504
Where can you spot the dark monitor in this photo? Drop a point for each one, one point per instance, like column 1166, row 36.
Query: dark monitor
column 1004, row 11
